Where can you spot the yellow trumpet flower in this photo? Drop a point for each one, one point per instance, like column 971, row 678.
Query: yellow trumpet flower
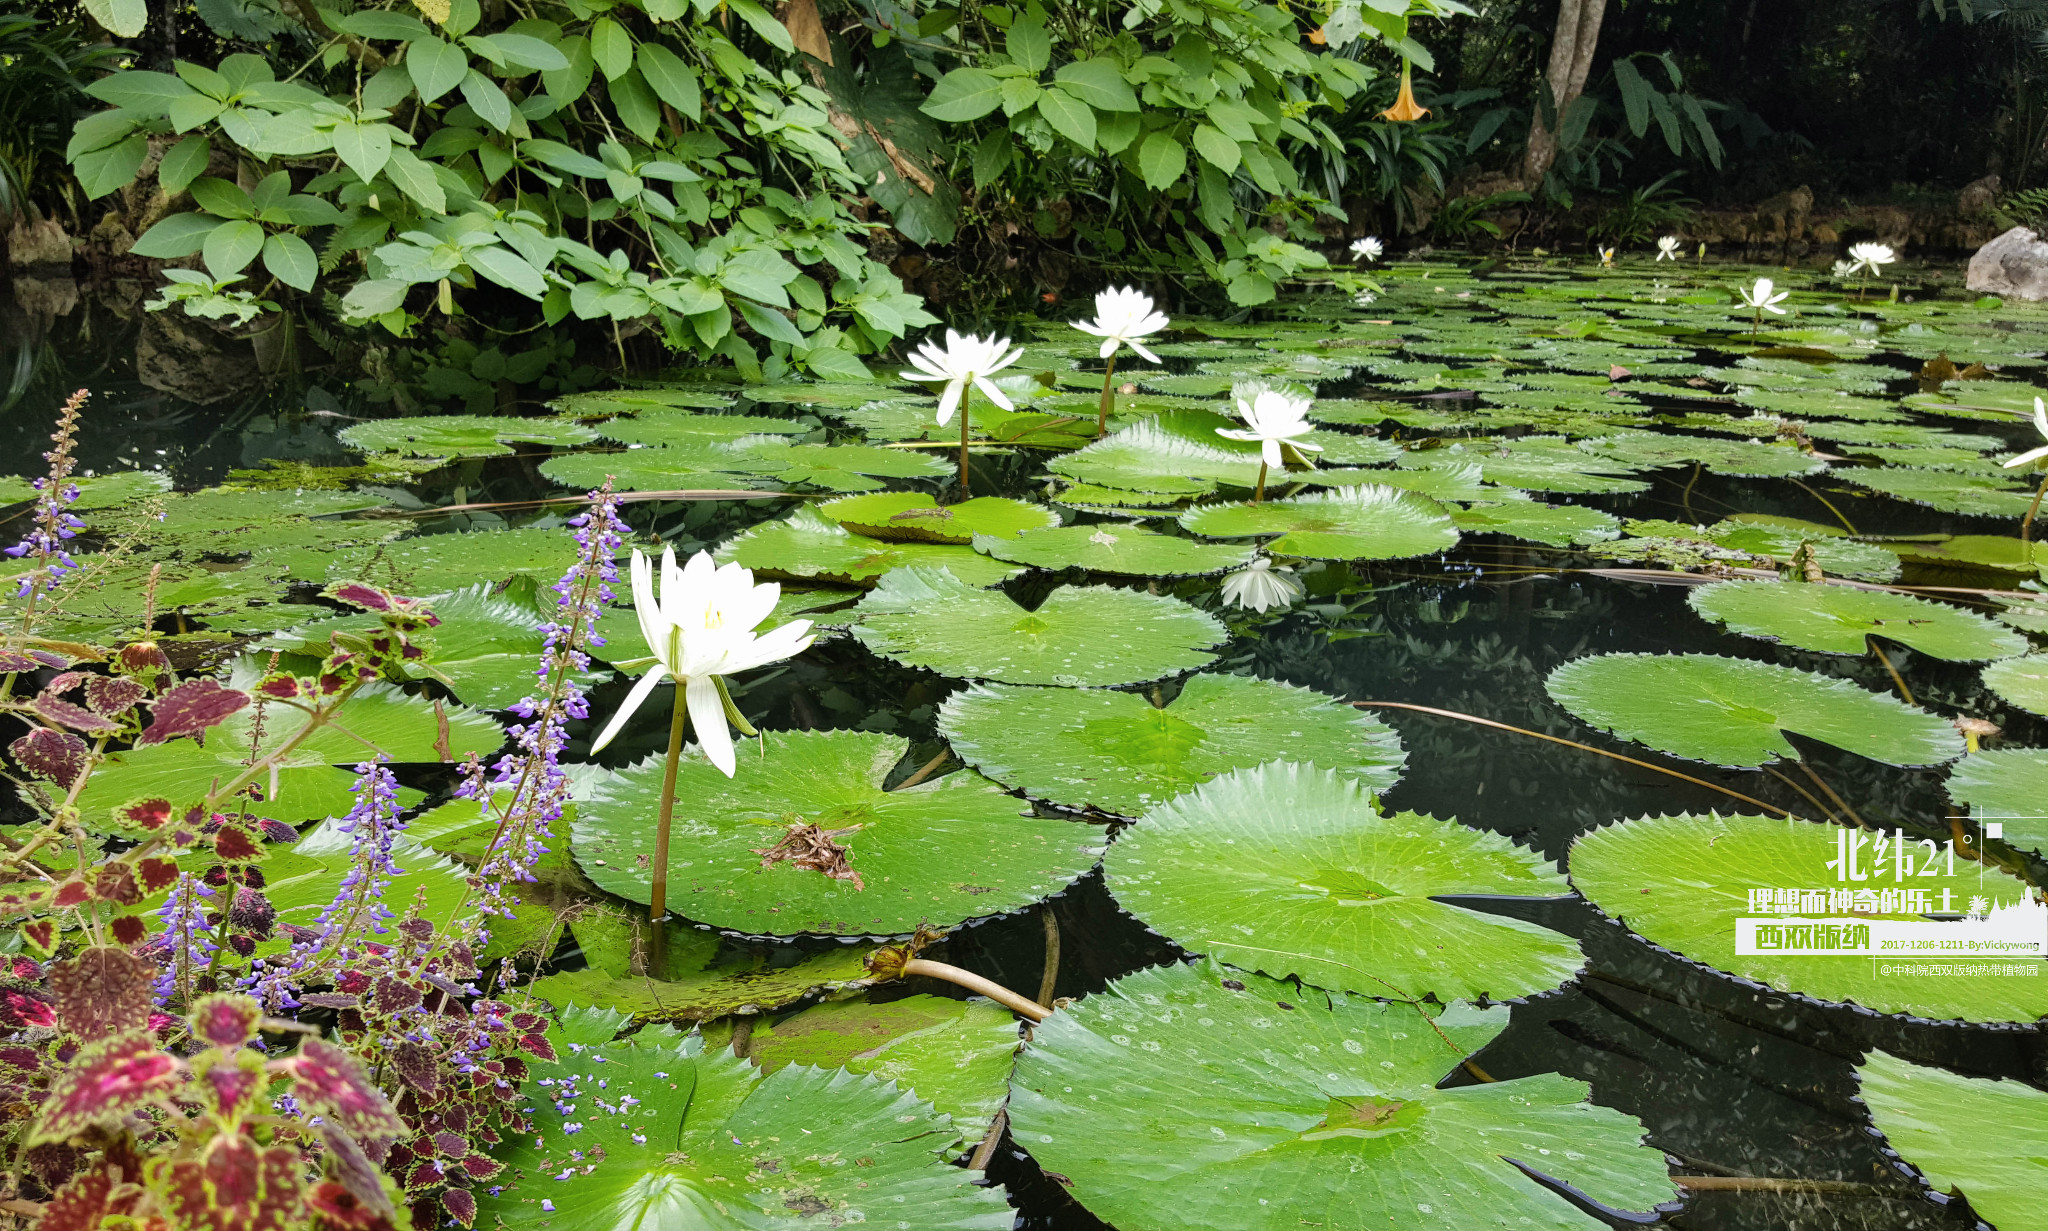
column 1405, row 108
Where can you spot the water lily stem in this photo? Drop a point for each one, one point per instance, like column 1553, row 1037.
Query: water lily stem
column 965, row 394
column 657, row 898
column 978, row 985
column 1259, row 492
column 1051, row 977
column 1569, row 743
column 1108, row 397
column 2027, row 522
column 1904, row 691
column 1829, row 791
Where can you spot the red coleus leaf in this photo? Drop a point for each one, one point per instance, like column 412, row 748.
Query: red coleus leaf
column 150, row 813
column 481, row 1166
column 235, row 845
column 227, row 1022
column 63, row 683
column 24, row 968
column 368, row 597
column 460, row 1205
column 450, row 1145
column 115, row 882
column 335, row 1208
column 537, row 1046
column 236, row 1185
column 87, row 1200
column 22, row 1009
column 331, row 1083
column 349, row 1166
column 280, row 686
column 156, row 873
column 395, row 995
column 189, row 709
column 40, row 935
column 56, row 755
column 106, row 1080
column 142, row 658
column 418, row 1067
column 102, row 992
column 129, row 929
column 73, row 892
column 108, row 695
column 13, row 662
column 77, row 717
column 233, row 1084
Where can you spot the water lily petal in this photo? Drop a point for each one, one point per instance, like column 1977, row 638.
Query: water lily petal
column 707, row 715
column 647, row 684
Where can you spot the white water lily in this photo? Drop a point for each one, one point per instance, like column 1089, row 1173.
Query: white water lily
column 960, row 363
column 1606, row 255
column 1364, row 299
column 1367, row 249
column 1124, row 316
column 1667, row 248
column 1842, row 269
column 1870, row 257
column 1262, row 586
column 700, row 625
column 1272, row 418
column 2032, row 456
column 1760, row 297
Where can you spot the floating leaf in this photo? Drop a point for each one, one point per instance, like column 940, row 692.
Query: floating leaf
column 1983, row 495
column 941, row 852
column 1289, row 870
column 1731, row 457
column 806, row 546
column 1534, row 463
column 2006, row 785
column 710, row 989
column 1683, row 881
column 1729, row 711
column 1842, row 619
column 1179, row 1094
column 1128, row 550
column 1369, row 522
column 1781, row 537
column 2021, row 681
column 1080, row 636
column 440, row 563
column 1985, row 1136
column 1117, row 752
column 461, row 435
column 674, row 1138
column 917, row 517
column 1564, row 525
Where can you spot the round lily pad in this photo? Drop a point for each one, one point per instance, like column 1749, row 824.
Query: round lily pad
column 1289, row 870
column 1842, row 619
column 1192, row 1096
column 1682, row 881
column 1080, row 636
column 2009, row 786
column 916, row 516
column 806, row 546
column 954, row 848
column 1730, row 711
column 1985, row 1136
column 461, row 435
column 1558, row 525
column 1946, row 490
column 2021, row 681
column 1130, row 550
column 1117, row 752
column 1368, row 522
column 662, row 430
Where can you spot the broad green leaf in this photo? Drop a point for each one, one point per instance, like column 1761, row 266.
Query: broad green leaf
column 183, row 163
column 1117, row 752
column 2006, row 785
column 1729, row 711
column 683, row 1127
column 176, row 236
column 1561, row 525
column 1985, row 1136
column 461, row 435
column 611, row 47
column 1029, row 46
column 486, row 99
column 290, row 260
column 1087, row 637
column 1129, row 550
column 230, row 247
column 805, row 546
column 1069, row 116
column 1290, row 870
column 382, row 24
column 672, row 81
column 109, row 167
column 122, row 18
column 1683, row 881
column 1367, row 522
column 964, row 94
column 942, row 852
column 1182, row 1093
column 139, row 91
column 2021, row 681
column 437, row 66
column 917, row 517
column 364, row 147
column 1162, row 160
column 506, row 268
column 1099, row 83
column 1216, row 149
column 1842, row 619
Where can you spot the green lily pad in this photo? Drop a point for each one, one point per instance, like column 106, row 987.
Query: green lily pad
column 378, row 718
column 2004, row 553
column 941, row 852
column 461, row 435
column 1179, row 451
column 1987, row 1137
column 725, row 467
column 707, row 1142
column 182, row 772
column 1946, row 490
column 842, row 467
column 1731, row 457
column 1369, row 522
column 956, row 1054
column 1533, row 463
column 1781, row 537
column 1289, row 870
column 1116, row 752
column 636, row 401
column 917, row 517
column 107, row 597
column 806, row 546
column 2021, row 681
column 440, row 563
column 1129, row 550
column 2007, row 785
column 1558, row 525
column 303, row 880
column 1080, row 636
column 1444, row 483
column 670, row 430
column 1842, row 619
column 702, row 986
column 1683, row 881
column 94, row 492
column 1189, row 1096
column 1729, row 711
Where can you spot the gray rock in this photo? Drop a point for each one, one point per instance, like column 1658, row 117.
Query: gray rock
column 2014, row 265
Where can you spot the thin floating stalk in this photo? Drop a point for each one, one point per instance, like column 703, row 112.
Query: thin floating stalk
column 978, row 985
column 1108, row 397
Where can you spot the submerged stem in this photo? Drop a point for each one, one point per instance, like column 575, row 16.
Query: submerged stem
column 657, row 898
column 1904, row 691
column 1051, row 977
column 1108, row 396
column 975, row 983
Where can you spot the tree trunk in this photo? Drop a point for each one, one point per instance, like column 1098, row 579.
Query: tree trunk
column 1571, row 60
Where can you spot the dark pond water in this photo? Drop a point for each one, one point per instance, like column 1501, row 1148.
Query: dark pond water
column 1730, row 1079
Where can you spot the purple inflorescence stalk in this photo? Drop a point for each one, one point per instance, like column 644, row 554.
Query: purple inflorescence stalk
column 373, row 826
column 538, row 788
column 186, row 943
column 53, row 526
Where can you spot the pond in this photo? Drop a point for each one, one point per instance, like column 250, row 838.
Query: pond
column 1606, row 609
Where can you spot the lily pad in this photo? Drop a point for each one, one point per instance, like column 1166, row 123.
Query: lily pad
column 1080, row 636
column 1558, row 525
column 2010, row 786
column 1946, row 490
column 806, row 546
column 1842, row 619
column 1987, row 1137
column 440, row 563
column 666, row 1135
column 917, row 517
column 1683, row 881
column 1730, row 711
column 1534, row 463
column 182, row 772
column 1189, row 1096
column 1129, row 550
column 1289, row 870
column 461, row 435
column 1731, row 457
column 2021, row 681
column 703, row 986
column 1369, row 522
column 1116, row 752
column 1781, row 537
column 938, row 853
column 667, row 429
